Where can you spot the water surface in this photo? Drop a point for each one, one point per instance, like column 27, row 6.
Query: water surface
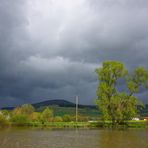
column 73, row 138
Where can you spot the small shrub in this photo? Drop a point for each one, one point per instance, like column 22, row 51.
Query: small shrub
column 3, row 121
column 83, row 118
column 66, row 118
column 35, row 116
column 58, row 119
column 19, row 119
column 46, row 115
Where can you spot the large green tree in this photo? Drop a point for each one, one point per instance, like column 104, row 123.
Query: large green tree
column 115, row 105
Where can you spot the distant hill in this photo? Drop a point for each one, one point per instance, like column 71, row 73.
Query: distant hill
column 60, row 103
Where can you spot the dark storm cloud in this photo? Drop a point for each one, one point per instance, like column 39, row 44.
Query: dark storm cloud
column 50, row 48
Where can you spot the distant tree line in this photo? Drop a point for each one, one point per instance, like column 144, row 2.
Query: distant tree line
column 26, row 114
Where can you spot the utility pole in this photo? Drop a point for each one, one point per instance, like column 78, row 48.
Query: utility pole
column 77, row 98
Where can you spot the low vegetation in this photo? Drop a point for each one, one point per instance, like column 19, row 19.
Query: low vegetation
column 53, row 116
column 26, row 115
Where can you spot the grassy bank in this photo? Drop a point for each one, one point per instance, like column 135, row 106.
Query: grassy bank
column 138, row 124
column 99, row 124
column 128, row 124
column 52, row 124
column 61, row 124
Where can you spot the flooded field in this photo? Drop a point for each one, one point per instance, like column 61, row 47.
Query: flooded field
column 73, row 138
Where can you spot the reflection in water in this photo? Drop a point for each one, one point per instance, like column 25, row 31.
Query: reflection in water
column 39, row 138
column 124, row 139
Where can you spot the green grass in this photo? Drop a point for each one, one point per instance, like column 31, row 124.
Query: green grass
column 129, row 124
column 98, row 124
column 138, row 124
column 61, row 111
column 57, row 124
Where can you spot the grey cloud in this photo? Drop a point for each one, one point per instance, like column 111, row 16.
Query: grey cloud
column 50, row 49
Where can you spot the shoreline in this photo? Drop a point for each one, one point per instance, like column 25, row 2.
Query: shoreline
column 99, row 124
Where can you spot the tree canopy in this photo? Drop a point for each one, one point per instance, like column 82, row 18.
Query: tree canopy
column 119, row 106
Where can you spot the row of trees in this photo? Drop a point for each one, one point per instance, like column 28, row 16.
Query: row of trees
column 26, row 114
column 114, row 104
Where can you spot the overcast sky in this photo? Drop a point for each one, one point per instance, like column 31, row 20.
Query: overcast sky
column 49, row 49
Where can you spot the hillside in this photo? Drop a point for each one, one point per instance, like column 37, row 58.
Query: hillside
column 61, row 107
column 60, row 103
